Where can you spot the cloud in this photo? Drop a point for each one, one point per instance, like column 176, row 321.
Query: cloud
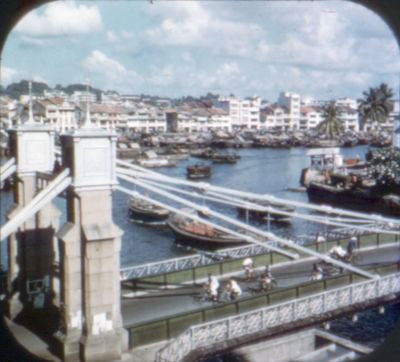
column 8, row 75
column 192, row 23
column 60, row 18
column 111, row 72
column 111, row 37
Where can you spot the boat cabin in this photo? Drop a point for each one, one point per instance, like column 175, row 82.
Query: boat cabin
column 325, row 158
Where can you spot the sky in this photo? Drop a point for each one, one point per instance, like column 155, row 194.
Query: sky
column 325, row 49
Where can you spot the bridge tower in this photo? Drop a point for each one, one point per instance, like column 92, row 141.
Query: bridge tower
column 89, row 250
column 32, row 249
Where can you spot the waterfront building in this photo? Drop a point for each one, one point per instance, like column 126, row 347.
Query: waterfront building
column 105, row 115
column 347, row 103
column 9, row 110
column 188, row 119
column 83, row 97
column 349, row 117
column 56, row 112
column 146, row 119
column 292, row 103
column 310, row 117
column 110, row 97
column 275, row 117
column 55, row 93
column 244, row 114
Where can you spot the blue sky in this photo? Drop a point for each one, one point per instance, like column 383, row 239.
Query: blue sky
column 174, row 48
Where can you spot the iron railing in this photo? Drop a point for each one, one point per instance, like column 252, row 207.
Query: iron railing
column 198, row 260
column 188, row 262
column 219, row 331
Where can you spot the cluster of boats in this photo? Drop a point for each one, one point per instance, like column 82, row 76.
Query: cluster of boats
column 201, row 170
column 263, row 138
column 201, row 234
column 351, row 185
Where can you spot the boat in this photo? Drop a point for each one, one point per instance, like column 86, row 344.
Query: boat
column 205, row 153
column 362, row 198
column 198, row 171
column 146, row 212
column 199, row 234
column 224, row 158
column 261, row 215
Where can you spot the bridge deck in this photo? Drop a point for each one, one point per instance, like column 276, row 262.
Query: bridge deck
column 165, row 303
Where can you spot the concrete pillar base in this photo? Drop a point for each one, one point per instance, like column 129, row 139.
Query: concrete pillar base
column 105, row 347
column 67, row 346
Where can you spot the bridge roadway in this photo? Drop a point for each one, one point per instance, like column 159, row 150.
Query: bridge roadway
column 184, row 298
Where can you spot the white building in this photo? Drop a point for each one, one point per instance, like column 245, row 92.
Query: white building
column 310, row 117
column 106, row 115
column 83, row 97
column 349, row 117
column 243, row 113
column 146, row 120
column 58, row 113
column 346, row 102
column 9, row 111
column 188, row 119
column 275, row 117
column 291, row 101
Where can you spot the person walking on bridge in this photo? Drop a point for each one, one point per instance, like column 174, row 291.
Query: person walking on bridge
column 234, row 289
column 248, row 266
column 212, row 287
column 351, row 245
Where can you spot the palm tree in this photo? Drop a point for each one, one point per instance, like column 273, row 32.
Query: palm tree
column 332, row 125
column 376, row 105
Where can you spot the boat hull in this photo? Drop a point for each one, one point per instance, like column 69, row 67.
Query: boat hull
column 148, row 216
column 196, row 240
column 366, row 200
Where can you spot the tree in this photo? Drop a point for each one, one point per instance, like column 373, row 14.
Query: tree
column 332, row 125
column 376, row 105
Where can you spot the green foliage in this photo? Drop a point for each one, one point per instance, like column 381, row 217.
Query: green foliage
column 376, row 105
column 15, row 90
column 384, row 166
column 332, row 125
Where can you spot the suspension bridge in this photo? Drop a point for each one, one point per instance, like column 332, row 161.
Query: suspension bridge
column 100, row 311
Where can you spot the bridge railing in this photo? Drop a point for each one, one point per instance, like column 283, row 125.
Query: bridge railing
column 170, row 326
column 188, row 262
column 226, row 257
column 219, row 331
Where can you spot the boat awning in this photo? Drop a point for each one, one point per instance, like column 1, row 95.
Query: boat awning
column 323, row 151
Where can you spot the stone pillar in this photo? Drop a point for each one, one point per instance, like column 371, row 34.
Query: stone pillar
column 90, row 245
column 31, row 249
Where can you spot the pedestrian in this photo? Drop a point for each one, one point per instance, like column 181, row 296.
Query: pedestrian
column 351, row 245
column 248, row 266
column 319, row 238
column 212, row 287
column 317, row 272
column 234, row 289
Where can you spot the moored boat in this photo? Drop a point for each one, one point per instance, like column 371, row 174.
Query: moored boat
column 198, row 171
column 225, row 158
column 200, row 234
column 366, row 199
column 264, row 215
column 145, row 212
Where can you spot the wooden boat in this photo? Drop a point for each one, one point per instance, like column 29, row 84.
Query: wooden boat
column 146, row 212
column 366, row 199
column 199, row 234
column 224, row 158
column 260, row 215
column 205, row 153
column 198, row 171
